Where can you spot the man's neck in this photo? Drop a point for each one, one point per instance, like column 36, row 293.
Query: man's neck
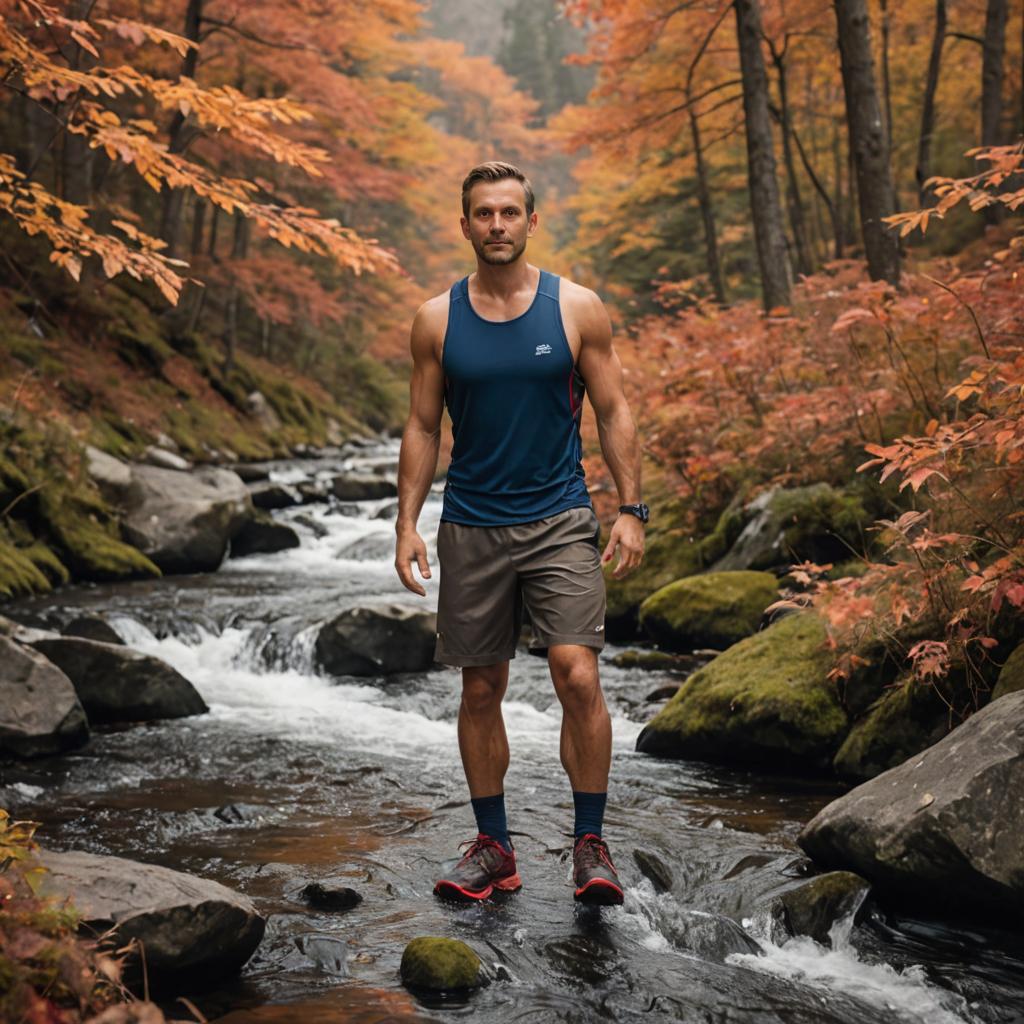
column 503, row 281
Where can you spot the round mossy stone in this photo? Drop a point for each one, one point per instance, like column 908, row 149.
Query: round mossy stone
column 439, row 964
column 715, row 609
column 766, row 701
column 1011, row 675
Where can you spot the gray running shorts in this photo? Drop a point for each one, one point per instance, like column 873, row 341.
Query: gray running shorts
column 488, row 573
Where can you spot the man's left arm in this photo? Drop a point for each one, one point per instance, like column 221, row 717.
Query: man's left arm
column 601, row 370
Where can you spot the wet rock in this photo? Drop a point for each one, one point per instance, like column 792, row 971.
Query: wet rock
column 22, row 633
column 315, row 526
column 330, row 896
column 376, row 640
column 116, row 684
column 92, row 627
column 709, row 936
column 270, row 495
column 388, row 511
column 1011, row 675
column 439, row 964
column 40, row 713
column 711, row 610
column 263, row 535
column 906, row 719
column 362, row 487
column 312, row 491
column 372, row 548
column 765, row 701
column 251, row 472
column 653, row 868
column 155, row 456
column 786, row 525
column 651, row 661
column 185, row 521
column 947, row 825
column 812, row 908
column 190, row 927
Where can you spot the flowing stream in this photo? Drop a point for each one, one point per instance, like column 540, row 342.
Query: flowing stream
column 293, row 777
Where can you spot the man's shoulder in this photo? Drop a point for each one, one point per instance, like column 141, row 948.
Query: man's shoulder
column 578, row 295
column 434, row 311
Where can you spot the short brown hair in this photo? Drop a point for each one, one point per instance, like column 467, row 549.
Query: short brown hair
column 496, row 170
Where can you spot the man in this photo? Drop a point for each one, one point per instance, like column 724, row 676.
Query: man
column 510, row 350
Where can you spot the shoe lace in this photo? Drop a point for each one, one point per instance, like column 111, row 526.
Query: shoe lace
column 590, row 851
column 478, row 846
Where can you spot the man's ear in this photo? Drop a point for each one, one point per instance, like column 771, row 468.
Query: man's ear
column 531, row 226
column 464, row 223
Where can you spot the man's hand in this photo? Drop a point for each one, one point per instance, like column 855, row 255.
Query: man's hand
column 410, row 548
column 628, row 536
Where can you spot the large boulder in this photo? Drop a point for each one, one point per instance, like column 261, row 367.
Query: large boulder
column 116, row 684
column 439, row 964
column 112, row 476
column 766, row 702
column 362, row 487
column 711, row 610
column 377, row 640
column 263, row 535
column 40, row 713
column 184, row 521
column 190, row 928
column 269, row 494
column 946, row 826
column 908, row 717
column 785, row 525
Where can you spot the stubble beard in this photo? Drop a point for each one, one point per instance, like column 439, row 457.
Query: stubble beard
column 500, row 257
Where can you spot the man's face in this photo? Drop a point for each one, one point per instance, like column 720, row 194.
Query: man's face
column 497, row 224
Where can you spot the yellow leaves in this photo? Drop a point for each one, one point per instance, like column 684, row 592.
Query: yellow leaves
column 138, row 32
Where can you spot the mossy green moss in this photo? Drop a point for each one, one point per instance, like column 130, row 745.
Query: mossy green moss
column 86, row 534
column 19, row 575
column 712, row 610
column 440, row 964
column 1011, row 675
column 649, row 661
column 906, row 719
column 766, row 701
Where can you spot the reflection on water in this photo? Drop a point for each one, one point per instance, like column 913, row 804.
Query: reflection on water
column 293, row 777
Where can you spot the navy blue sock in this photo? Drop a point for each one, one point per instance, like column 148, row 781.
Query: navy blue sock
column 589, row 812
column 490, row 818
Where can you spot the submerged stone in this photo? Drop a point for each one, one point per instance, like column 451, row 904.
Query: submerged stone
column 440, row 964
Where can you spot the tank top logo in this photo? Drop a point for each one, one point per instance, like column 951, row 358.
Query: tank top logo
column 543, row 350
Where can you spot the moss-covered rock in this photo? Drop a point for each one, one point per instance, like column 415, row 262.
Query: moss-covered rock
column 19, row 575
column 712, row 610
column 785, row 525
column 439, row 964
column 906, row 719
column 766, row 701
column 1011, row 675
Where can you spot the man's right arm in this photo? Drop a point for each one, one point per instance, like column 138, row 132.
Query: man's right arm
column 417, row 459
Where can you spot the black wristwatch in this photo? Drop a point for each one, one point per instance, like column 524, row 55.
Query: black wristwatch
column 640, row 510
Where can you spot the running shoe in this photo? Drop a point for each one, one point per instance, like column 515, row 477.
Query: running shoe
column 484, row 867
column 593, row 872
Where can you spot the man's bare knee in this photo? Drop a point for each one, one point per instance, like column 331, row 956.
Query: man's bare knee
column 483, row 687
column 574, row 673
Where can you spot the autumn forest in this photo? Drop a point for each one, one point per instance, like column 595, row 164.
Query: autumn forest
column 218, row 218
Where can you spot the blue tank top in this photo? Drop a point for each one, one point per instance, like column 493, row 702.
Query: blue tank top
column 515, row 398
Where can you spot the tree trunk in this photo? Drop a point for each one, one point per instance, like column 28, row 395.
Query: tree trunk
column 766, row 210
column 867, row 140
column 179, row 134
column 239, row 248
column 795, row 203
column 707, row 214
column 993, row 49
column 75, row 154
column 839, row 224
column 924, row 142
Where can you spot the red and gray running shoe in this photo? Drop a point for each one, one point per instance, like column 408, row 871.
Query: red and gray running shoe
column 593, row 872
column 485, row 866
